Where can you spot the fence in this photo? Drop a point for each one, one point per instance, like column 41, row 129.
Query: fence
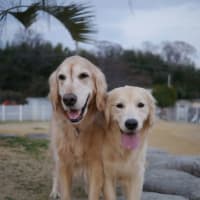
column 42, row 112
column 188, row 114
column 25, row 112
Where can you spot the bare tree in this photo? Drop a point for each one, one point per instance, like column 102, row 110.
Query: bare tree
column 108, row 49
column 178, row 52
column 150, row 47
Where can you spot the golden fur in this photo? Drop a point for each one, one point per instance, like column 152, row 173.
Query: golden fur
column 121, row 164
column 77, row 147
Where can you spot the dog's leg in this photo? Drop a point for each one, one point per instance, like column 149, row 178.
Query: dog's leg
column 65, row 180
column 95, row 178
column 55, row 194
column 109, row 189
column 133, row 186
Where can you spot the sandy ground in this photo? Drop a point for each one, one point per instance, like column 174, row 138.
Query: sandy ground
column 177, row 138
column 22, row 128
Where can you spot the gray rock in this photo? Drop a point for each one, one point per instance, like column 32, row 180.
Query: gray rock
column 170, row 177
column 37, row 136
column 7, row 135
column 154, row 151
column 168, row 181
column 190, row 164
column 158, row 196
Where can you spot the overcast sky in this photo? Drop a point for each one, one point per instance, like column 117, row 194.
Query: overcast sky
column 131, row 22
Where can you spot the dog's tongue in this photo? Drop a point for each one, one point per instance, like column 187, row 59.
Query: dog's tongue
column 130, row 141
column 73, row 114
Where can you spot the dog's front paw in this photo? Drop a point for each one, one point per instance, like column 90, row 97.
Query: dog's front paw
column 54, row 196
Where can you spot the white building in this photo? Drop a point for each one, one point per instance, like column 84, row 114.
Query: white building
column 188, row 111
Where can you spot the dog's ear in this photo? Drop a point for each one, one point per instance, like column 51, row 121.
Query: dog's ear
column 53, row 89
column 101, row 88
column 152, row 109
column 107, row 113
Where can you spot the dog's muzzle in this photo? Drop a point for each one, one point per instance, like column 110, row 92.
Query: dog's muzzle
column 75, row 115
column 69, row 99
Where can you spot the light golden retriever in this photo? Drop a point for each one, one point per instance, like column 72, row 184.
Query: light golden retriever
column 129, row 115
column 77, row 93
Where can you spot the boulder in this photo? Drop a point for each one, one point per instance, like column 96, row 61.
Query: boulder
column 174, row 182
column 158, row 196
column 161, row 160
column 170, row 177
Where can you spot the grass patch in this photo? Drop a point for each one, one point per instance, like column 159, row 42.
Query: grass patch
column 9, row 198
column 33, row 146
column 25, row 169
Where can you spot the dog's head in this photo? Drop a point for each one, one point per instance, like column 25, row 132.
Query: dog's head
column 132, row 109
column 74, row 86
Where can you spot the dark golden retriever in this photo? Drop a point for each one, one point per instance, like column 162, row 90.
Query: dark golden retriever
column 77, row 93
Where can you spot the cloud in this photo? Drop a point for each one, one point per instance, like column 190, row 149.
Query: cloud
column 52, row 30
column 156, row 22
column 9, row 28
column 153, row 20
column 171, row 23
column 157, row 25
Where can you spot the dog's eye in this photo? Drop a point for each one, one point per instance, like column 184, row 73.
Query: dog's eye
column 120, row 105
column 140, row 105
column 62, row 77
column 83, row 75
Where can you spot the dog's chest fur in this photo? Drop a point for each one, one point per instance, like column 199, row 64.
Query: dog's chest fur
column 78, row 147
column 121, row 163
column 74, row 148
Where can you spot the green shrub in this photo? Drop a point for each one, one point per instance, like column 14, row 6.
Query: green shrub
column 165, row 96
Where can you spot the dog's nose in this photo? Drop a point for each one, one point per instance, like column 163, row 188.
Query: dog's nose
column 69, row 99
column 131, row 124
